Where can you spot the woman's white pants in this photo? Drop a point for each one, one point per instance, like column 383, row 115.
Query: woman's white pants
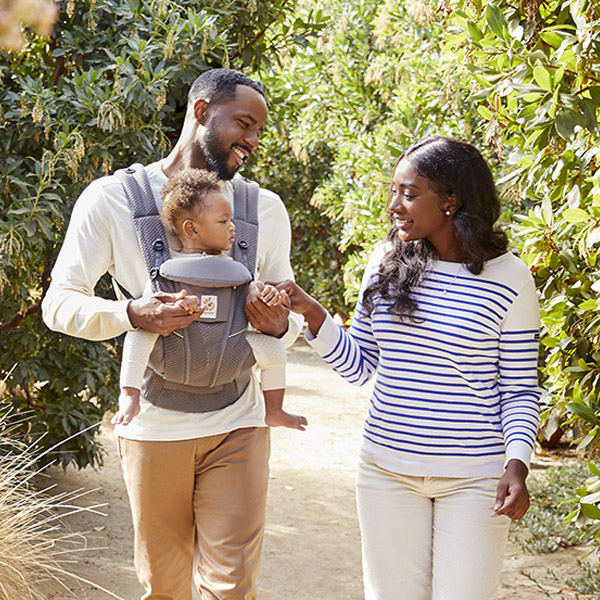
column 429, row 538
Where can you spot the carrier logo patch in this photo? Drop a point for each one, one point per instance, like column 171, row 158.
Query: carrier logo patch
column 209, row 304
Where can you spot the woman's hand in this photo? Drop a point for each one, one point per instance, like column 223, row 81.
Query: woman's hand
column 297, row 300
column 512, row 497
column 267, row 318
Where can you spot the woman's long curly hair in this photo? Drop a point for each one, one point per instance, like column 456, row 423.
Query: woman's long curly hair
column 452, row 167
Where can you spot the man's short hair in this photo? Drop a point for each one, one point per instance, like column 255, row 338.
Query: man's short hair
column 218, row 86
column 186, row 191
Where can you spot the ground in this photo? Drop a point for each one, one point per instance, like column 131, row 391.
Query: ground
column 312, row 544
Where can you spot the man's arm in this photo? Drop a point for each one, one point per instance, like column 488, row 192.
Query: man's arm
column 88, row 252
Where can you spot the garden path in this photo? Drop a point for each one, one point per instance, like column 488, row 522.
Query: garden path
column 312, row 546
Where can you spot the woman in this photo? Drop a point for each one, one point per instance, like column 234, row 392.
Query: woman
column 448, row 322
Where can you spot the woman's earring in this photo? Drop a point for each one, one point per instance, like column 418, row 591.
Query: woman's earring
column 448, row 213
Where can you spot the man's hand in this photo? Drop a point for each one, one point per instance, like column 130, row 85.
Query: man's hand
column 164, row 313
column 512, row 497
column 272, row 320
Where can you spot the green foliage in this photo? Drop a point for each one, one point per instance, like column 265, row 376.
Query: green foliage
column 518, row 80
column 537, row 68
column 586, row 514
column 109, row 88
column 589, row 580
column 550, row 491
column 364, row 91
column 315, row 252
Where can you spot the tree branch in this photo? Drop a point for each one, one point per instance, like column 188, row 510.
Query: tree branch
column 20, row 316
column 34, row 309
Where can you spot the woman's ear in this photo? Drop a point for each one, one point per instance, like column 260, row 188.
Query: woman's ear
column 451, row 204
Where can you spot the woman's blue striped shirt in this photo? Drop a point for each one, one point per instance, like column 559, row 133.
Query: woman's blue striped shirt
column 456, row 391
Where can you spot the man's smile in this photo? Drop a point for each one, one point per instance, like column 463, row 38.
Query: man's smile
column 241, row 153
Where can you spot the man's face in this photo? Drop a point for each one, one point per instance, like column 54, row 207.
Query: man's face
column 232, row 131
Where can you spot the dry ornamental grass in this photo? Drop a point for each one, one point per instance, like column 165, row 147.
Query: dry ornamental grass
column 36, row 548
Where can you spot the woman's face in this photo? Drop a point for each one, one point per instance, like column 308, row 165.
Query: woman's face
column 418, row 212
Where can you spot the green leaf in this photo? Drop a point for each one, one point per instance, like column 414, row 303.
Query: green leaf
column 586, row 413
column 474, row 32
column 565, row 124
column 547, row 213
column 543, row 77
column 532, row 97
column 550, row 342
column 575, row 215
column 589, row 508
column 552, row 38
column 496, row 20
column 591, row 304
column 30, row 227
column 485, row 112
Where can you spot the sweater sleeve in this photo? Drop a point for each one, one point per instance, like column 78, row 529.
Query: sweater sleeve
column 518, row 381
column 269, row 353
column 273, row 256
column 136, row 353
column 70, row 305
column 353, row 354
column 137, row 348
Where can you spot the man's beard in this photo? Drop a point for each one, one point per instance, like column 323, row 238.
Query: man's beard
column 216, row 156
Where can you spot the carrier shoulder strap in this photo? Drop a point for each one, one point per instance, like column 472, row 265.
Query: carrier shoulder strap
column 147, row 224
column 245, row 213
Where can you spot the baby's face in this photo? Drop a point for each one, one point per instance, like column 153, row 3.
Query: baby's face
column 214, row 223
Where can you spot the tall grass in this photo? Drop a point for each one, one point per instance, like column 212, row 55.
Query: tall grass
column 36, row 548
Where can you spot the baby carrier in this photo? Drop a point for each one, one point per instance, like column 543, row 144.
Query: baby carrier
column 205, row 366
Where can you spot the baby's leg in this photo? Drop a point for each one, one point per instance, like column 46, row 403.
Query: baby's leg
column 129, row 406
column 276, row 416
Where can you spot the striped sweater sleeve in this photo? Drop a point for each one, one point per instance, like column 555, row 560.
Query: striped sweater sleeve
column 353, row 354
column 519, row 391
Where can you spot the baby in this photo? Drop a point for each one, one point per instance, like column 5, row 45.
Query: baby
column 201, row 218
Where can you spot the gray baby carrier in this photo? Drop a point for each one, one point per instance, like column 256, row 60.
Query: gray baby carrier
column 205, row 366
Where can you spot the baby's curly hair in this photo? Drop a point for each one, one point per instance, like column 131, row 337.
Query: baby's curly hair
column 186, row 191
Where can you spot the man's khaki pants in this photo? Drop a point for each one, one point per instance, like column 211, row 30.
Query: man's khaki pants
column 201, row 500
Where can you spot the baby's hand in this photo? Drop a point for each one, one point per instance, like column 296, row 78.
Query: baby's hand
column 191, row 304
column 270, row 295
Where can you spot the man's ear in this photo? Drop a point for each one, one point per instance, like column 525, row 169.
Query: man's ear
column 201, row 111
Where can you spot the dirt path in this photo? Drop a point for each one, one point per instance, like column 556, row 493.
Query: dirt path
column 312, row 546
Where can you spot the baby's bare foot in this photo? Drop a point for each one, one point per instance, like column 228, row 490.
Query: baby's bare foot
column 280, row 418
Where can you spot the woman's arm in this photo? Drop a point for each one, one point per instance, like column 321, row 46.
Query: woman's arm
column 353, row 354
column 519, row 399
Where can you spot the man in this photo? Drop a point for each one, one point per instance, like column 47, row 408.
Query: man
column 197, row 482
